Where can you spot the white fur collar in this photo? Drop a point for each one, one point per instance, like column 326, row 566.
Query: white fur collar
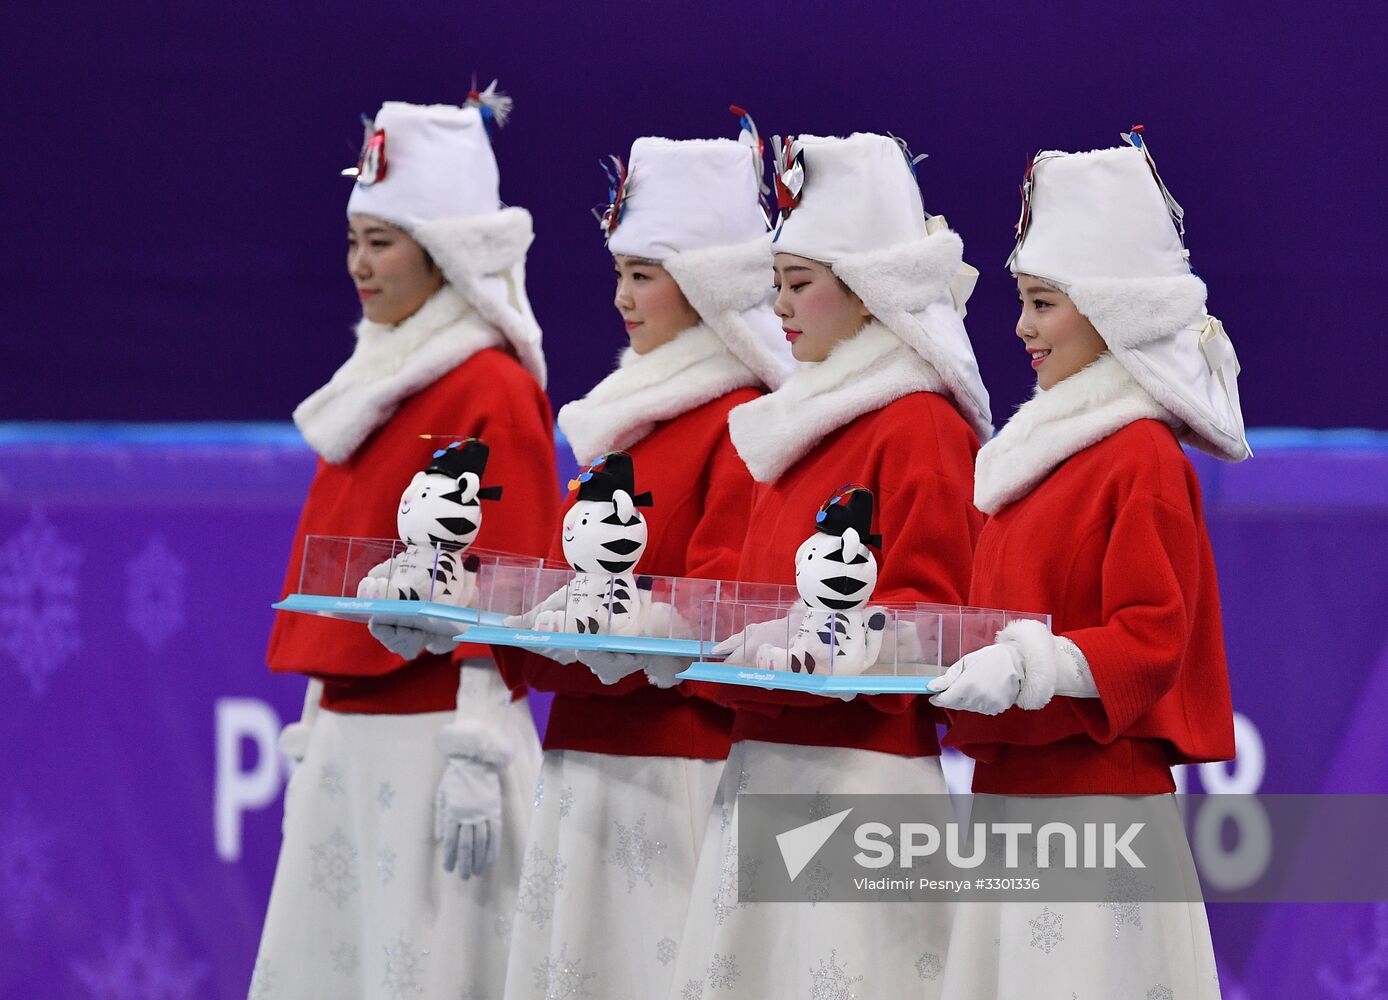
column 388, row 365
column 861, row 374
column 1053, row 425
column 646, row 389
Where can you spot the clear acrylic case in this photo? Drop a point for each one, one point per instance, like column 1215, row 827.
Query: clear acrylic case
column 878, row 649
column 629, row 613
column 438, row 588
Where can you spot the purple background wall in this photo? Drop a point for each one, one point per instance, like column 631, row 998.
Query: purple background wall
column 132, row 632
column 174, row 208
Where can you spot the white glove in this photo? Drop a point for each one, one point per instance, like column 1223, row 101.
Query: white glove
column 467, row 816
column 743, row 647
column 610, row 667
column 661, row 671
column 986, row 681
column 293, row 739
column 467, row 805
column 1027, row 666
column 408, row 642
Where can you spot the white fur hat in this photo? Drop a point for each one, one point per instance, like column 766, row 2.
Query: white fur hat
column 856, row 206
column 694, row 206
column 1102, row 226
column 430, row 170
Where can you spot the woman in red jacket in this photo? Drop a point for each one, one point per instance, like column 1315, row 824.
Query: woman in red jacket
column 890, row 398
column 1095, row 517
column 406, row 745
column 630, row 763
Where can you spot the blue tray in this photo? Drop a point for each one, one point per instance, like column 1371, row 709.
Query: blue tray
column 361, row 609
column 499, row 635
column 784, row 680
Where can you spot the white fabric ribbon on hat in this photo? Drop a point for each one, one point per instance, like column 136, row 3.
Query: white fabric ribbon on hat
column 1222, row 359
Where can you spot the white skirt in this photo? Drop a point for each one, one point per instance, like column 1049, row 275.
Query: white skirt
column 605, row 885
column 1115, row 950
column 361, row 907
column 795, row 951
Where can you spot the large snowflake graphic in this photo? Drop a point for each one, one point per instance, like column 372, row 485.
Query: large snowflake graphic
column 26, row 866
column 831, row 981
column 38, row 601
column 665, row 950
column 1367, row 975
column 154, row 599
column 562, row 977
column 541, row 877
column 635, row 852
column 335, row 868
column 404, row 967
column 1047, row 930
column 145, row 964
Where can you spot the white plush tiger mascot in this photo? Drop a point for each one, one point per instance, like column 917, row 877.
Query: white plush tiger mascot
column 439, row 517
column 835, row 572
column 604, row 536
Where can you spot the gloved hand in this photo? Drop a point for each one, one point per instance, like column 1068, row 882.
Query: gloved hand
column 467, row 805
column 408, row 642
column 742, row 647
column 610, row 667
column 986, row 681
column 293, row 738
column 661, row 671
column 526, row 621
column 467, row 816
column 1027, row 666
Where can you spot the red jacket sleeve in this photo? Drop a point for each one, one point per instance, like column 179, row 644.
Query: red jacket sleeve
column 1151, row 569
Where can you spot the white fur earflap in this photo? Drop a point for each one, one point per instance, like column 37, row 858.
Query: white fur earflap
column 731, row 290
column 910, row 290
column 1040, row 663
column 647, row 389
column 1053, row 425
column 1159, row 331
column 904, row 278
column 1129, row 312
column 483, row 258
column 475, row 740
column 861, row 374
column 478, row 244
column 388, row 365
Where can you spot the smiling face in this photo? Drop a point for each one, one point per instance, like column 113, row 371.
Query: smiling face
column 596, row 540
column 1055, row 334
column 817, row 310
column 653, row 308
column 393, row 274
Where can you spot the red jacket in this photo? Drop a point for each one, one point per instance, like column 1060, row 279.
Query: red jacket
column 1113, row 545
column 488, row 396
column 916, row 454
column 702, row 494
